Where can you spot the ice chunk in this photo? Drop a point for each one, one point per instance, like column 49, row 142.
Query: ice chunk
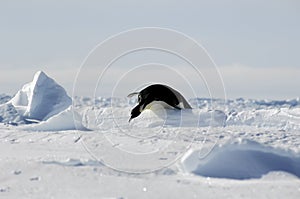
column 9, row 115
column 41, row 98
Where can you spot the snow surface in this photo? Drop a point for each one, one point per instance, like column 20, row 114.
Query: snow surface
column 254, row 155
column 244, row 160
column 235, row 149
column 65, row 120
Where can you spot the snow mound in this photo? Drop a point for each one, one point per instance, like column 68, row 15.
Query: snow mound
column 243, row 160
column 65, row 120
column 41, row 98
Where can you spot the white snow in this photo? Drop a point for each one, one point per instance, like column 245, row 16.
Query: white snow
column 235, row 149
column 244, row 160
column 65, row 120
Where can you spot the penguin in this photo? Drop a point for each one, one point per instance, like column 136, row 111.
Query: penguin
column 158, row 93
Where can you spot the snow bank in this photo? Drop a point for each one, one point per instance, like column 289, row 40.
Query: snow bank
column 243, row 160
column 65, row 120
column 41, row 98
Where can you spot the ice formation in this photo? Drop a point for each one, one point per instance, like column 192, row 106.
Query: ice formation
column 42, row 101
column 41, row 98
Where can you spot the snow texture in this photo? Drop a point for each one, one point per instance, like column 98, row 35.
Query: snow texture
column 65, row 120
column 241, row 148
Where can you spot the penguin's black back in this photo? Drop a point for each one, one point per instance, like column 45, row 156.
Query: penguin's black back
column 158, row 92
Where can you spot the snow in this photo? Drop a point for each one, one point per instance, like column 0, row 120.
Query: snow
column 243, row 160
column 65, row 120
column 55, row 165
column 240, row 148
column 110, row 117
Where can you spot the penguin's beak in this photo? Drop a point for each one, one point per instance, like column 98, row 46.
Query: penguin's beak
column 130, row 119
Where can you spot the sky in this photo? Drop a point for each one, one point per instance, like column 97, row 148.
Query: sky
column 254, row 43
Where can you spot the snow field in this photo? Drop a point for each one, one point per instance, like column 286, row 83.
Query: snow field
column 240, row 148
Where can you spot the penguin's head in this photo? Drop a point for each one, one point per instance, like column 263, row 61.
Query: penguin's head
column 136, row 111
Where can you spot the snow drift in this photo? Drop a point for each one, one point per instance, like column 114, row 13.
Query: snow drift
column 244, row 160
column 65, row 120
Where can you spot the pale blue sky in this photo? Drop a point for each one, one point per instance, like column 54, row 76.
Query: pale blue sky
column 255, row 43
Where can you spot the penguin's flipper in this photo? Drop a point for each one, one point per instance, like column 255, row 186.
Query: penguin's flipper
column 132, row 94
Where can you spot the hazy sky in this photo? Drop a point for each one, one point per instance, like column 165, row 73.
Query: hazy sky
column 254, row 43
